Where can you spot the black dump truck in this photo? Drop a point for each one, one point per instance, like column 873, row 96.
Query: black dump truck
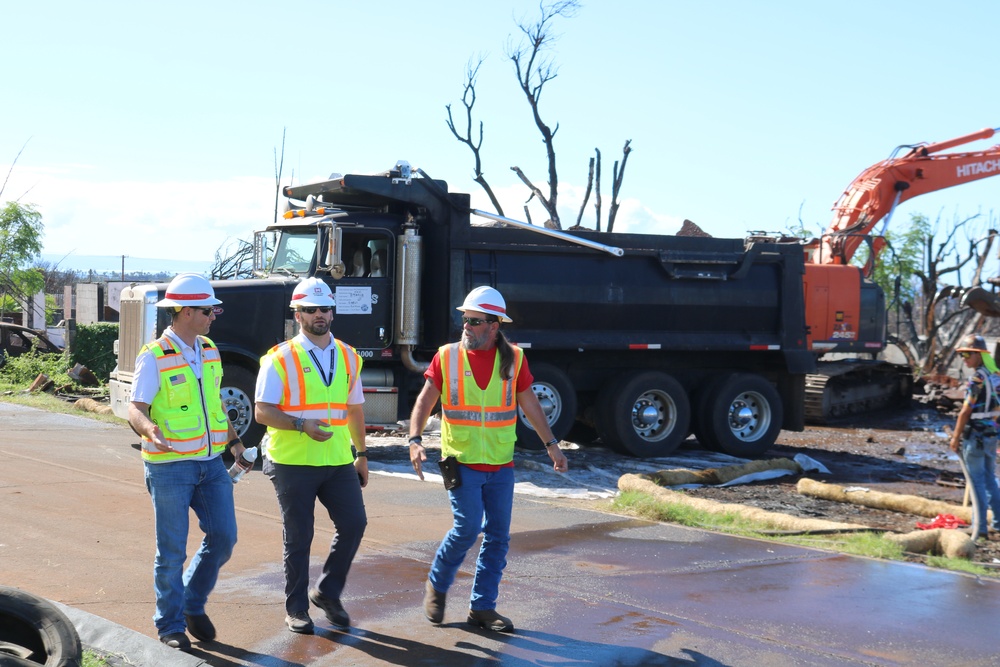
column 636, row 339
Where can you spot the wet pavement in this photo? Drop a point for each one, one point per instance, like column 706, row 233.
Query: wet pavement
column 583, row 587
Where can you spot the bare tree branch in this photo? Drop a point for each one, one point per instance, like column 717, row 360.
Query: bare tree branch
column 469, row 101
column 533, row 71
column 616, row 187
column 586, row 195
column 12, row 164
column 597, row 194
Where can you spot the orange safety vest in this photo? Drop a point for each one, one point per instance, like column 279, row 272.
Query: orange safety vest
column 477, row 425
column 306, row 395
column 189, row 412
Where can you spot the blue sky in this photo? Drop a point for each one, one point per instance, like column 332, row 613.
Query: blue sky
column 151, row 128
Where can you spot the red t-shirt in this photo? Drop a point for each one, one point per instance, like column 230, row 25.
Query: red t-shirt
column 482, row 362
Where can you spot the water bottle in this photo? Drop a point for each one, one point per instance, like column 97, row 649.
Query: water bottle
column 243, row 464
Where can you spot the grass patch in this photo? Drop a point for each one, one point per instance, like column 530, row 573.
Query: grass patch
column 867, row 544
column 92, row 658
column 43, row 401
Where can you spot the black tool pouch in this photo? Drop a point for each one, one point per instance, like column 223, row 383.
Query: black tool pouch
column 449, row 471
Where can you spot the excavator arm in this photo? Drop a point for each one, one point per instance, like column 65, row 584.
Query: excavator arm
column 879, row 189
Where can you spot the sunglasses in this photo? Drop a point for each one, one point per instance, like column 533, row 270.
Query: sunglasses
column 966, row 355
column 311, row 310
column 474, row 321
column 207, row 312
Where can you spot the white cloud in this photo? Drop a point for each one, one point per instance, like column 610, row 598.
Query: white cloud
column 191, row 220
column 174, row 219
column 632, row 216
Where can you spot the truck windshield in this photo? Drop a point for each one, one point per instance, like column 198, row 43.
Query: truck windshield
column 295, row 252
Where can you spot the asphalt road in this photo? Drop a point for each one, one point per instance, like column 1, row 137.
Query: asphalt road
column 584, row 588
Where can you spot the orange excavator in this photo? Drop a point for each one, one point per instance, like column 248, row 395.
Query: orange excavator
column 846, row 312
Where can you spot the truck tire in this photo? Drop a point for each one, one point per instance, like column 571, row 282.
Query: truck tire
column 237, row 399
column 740, row 415
column 34, row 632
column 557, row 396
column 645, row 414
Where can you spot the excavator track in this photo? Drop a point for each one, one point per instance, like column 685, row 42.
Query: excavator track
column 844, row 388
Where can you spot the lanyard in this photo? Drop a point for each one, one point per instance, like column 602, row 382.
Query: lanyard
column 326, row 380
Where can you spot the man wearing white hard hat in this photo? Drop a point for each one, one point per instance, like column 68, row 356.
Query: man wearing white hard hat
column 177, row 410
column 974, row 437
column 309, row 395
column 481, row 383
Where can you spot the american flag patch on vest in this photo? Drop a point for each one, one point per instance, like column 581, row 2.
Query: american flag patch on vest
column 176, row 379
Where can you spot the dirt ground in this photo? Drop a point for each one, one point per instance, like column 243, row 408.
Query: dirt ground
column 903, row 451
column 900, row 451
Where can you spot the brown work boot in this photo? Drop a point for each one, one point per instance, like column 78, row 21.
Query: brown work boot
column 489, row 619
column 433, row 604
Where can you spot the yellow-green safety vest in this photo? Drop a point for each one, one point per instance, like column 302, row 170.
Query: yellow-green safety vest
column 477, row 425
column 306, row 395
column 188, row 412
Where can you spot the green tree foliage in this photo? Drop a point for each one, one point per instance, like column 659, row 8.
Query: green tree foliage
column 901, row 259
column 21, row 234
column 94, row 348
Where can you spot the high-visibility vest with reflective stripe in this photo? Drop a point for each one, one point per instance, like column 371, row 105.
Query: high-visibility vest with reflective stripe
column 306, row 395
column 477, row 425
column 188, row 412
column 989, row 400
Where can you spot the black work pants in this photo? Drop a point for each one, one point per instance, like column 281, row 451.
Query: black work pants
column 338, row 489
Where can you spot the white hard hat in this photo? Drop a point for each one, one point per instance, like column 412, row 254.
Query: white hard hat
column 189, row 289
column 312, row 292
column 486, row 300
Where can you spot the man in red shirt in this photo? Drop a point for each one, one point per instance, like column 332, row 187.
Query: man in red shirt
column 481, row 383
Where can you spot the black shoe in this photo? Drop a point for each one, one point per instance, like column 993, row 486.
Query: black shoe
column 433, row 604
column 200, row 626
column 177, row 640
column 299, row 622
column 332, row 608
column 489, row 619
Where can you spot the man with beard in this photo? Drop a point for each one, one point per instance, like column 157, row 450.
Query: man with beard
column 309, row 395
column 481, row 382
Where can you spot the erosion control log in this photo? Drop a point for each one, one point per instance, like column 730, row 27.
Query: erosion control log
column 643, row 484
column 886, row 501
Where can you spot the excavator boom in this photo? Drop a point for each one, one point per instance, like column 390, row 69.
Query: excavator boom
column 879, row 189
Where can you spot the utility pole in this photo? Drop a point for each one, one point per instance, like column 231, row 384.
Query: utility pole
column 123, row 267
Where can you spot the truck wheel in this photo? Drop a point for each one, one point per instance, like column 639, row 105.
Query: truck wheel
column 34, row 632
column 237, row 400
column 557, row 397
column 645, row 414
column 741, row 416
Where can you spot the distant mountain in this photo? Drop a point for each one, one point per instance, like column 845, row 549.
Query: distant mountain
column 113, row 264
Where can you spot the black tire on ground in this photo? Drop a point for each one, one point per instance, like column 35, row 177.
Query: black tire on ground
column 557, row 396
column 742, row 416
column 34, row 632
column 643, row 413
column 237, row 399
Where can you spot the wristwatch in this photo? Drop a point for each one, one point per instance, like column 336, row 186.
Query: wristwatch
column 416, row 440
column 299, row 424
column 361, row 454
column 553, row 441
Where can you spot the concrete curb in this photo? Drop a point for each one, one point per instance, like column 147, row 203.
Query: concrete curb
column 138, row 649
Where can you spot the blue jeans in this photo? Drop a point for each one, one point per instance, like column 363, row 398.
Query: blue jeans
column 205, row 487
column 980, row 456
column 482, row 494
